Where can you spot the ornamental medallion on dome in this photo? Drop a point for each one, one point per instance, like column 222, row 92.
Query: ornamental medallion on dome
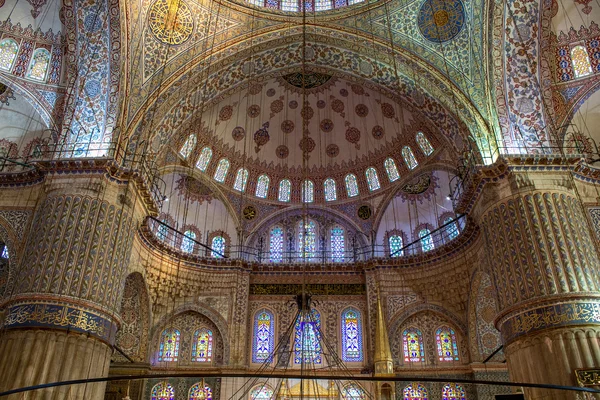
column 440, row 20
column 170, row 21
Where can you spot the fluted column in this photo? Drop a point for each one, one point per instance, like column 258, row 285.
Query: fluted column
column 61, row 309
column 546, row 269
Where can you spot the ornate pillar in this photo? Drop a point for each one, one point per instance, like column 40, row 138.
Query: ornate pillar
column 546, row 269
column 61, row 311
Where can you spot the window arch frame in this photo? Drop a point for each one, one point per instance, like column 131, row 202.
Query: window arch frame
column 287, row 185
column 167, row 387
column 408, row 358
column 204, row 159
column 359, row 358
column 577, row 73
column 446, row 218
column 193, row 244
column 206, row 389
column 271, row 340
column 282, row 255
column 459, row 393
column 332, row 187
column 317, row 357
column 408, row 154
column 428, row 237
column 352, row 386
column 257, row 389
column 390, row 165
column 453, row 344
column 388, row 247
column 241, row 179
column 222, row 168
column 16, row 55
column 420, row 390
column 209, row 357
column 301, row 242
column 32, row 64
column 307, row 190
column 175, row 356
column 424, row 145
column 351, row 180
column 260, row 185
column 374, row 183
column 189, row 145
column 336, row 254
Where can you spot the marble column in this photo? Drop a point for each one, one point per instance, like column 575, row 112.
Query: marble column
column 547, row 273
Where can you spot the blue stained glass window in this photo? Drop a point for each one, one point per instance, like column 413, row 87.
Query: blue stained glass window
column 276, row 245
column 261, row 392
column 188, row 146
column 187, row 243
column 289, row 5
column 241, row 179
column 338, row 247
column 391, row 169
column 262, row 186
column 308, row 192
column 412, row 341
column 218, row 246
column 204, row 159
column 38, row 67
column 409, row 158
column 4, row 253
column 330, row 191
column 353, row 392
column 307, row 240
column 222, row 169
column 453, row 391
column 322, row 5
column 197, row 392
column 451, row 228
column 415, row 391
column 395, row 243
column 162, row 230
column 285, row 190
column 169, row 345
column 202, row 346
column 163, row 391
column 264, row 334
column 424, row 144
column 352, row 336
column 372, row 179
column 8, row 52
column 351, row 185
column 445, row 339
column 307, row 341
column 426, row 240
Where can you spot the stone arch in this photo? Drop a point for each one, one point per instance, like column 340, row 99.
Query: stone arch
column 132, row 337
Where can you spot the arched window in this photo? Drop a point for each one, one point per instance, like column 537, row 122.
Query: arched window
column 4, row 253
column 338, row 247
column 353, row 392
column 307, row 240
column 395, row 243
column 262, row 186
column 351, row 185
column 187, row 243
column 330, row 191
column 8, row 53
column 285, row 190
column 241, row 178
column 307, row 343
column 391, row 169
column 412, row 341
column 218, row 247
column 276, row 245
column 264, row 334
column 162, row 230
column 308, row 192
column 426, row 240
column 453, row 391
column 424, row 144
column 38, row 67
column 352, row 347
column 409, row 158
column 204, row 159
column 202, row 346
column 451, row 228
column 163, row 391
column 188, row 146
column 445, row 339
column 222, row 169
column 322, row 5
column 415, row 391
column 289, row 5
column 169, row 345
column 197, row 392
column 581, row 61
column 372, row 179
column 261, row 392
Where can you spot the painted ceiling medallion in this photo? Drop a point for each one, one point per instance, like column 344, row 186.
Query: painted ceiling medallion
column 261, row 136
column 417, row 185
column 250, row 213
column 364, row 212
column 441, row 20
column 171, row 21
column 311, row 82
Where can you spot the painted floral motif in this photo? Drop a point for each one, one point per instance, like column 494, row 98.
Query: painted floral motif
column 326, row 125
column 282, row 151
column 353, row 136
column 361, row 110
column 276, row 107
column 338, row 106
column 321, row 104
column 225, row 113
column 332, row 150
column 378, row 132
column 254, row 111
column 293, row 104
column 238, row 133
column 343, row 92
column 388, row 110
column 271, row 92
column 307, row 144
column 287, row 126
column 261, row 136
column 307, row 112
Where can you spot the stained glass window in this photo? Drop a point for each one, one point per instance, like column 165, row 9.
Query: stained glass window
column 581, row 61
column 409, row 157
column 276, row 245
column 307, row 240
column 308, row 192
column 204, row 159
column 413, row 345
column 372, row 179
column 163, row 391
column 395, row 243
column 261, row 392
column 241, row 178
column 4, row 253
column 391, row 169
column 202, row 346
column 285, row 190
column 453, row 391
column 187, row 243
column 218, row 246
column 262, row 186
column 322, row 5
column 353, row 392
column 8, row 52
column 161, row 231
column 39, row 65
column 222, row 169
column 264, row 334
column 424, row 144
column 307, row 343
column 188, row 146
column 289, row 5
column 415, row 391
column 351, row 185
column 169, row 345
column 338, row 247
column 451, row 228
column 197, row 392
column 330, row 191
column 426, row 240
column 446, row 344
column 352, row 336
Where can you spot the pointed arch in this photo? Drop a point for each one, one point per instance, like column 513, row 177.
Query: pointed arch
column 351, row 185
column 453, row 391
column 163, row 391
column 199, row 392
column 445, row 340
column 330, row 190
column 8, row 53
column 424, row 144
column 38, row 66
column 412, row 343
column 169, row 345
column 391, row 169
column 414, row 391
column 352, row 339
column 263, row 339
column 241, row 179
column 285, row 191
column 188, row 146
column 202, row 346
column 262, row 186
column 204, row 159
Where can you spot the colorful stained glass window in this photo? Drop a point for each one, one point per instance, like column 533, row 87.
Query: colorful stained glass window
column 276, row 245
column 415, row 391
column 285, row 190
column 262, row 186
column 197, row 392
column 307, row 240
column 202, row 347
column 412, row 341
column 453, row 391
column 241, row 179
column 218, row 247
column 307, row 343
column 395, row 243
column 330, row 191
column 426, row 240
column 372, row 179
column 351, row 185
column 391, row 169
column 352, row 336
column 308, row 192
column 204, row 159
column 424, row 144
column 353, row 392
column 289, row 5
column 169, row 345
column 8, row 52
column 581, row 61
column 162, row 230
column 187, row 243
column 409, row 157
column 39, row 65
column 222, row 169
column 4, row 253
column 264, row 334
column 446, row 344
column 163, row 391
column 451, row 228
column 261, row 392
column 322, row 5
column 338, row 247
column 188, row 146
